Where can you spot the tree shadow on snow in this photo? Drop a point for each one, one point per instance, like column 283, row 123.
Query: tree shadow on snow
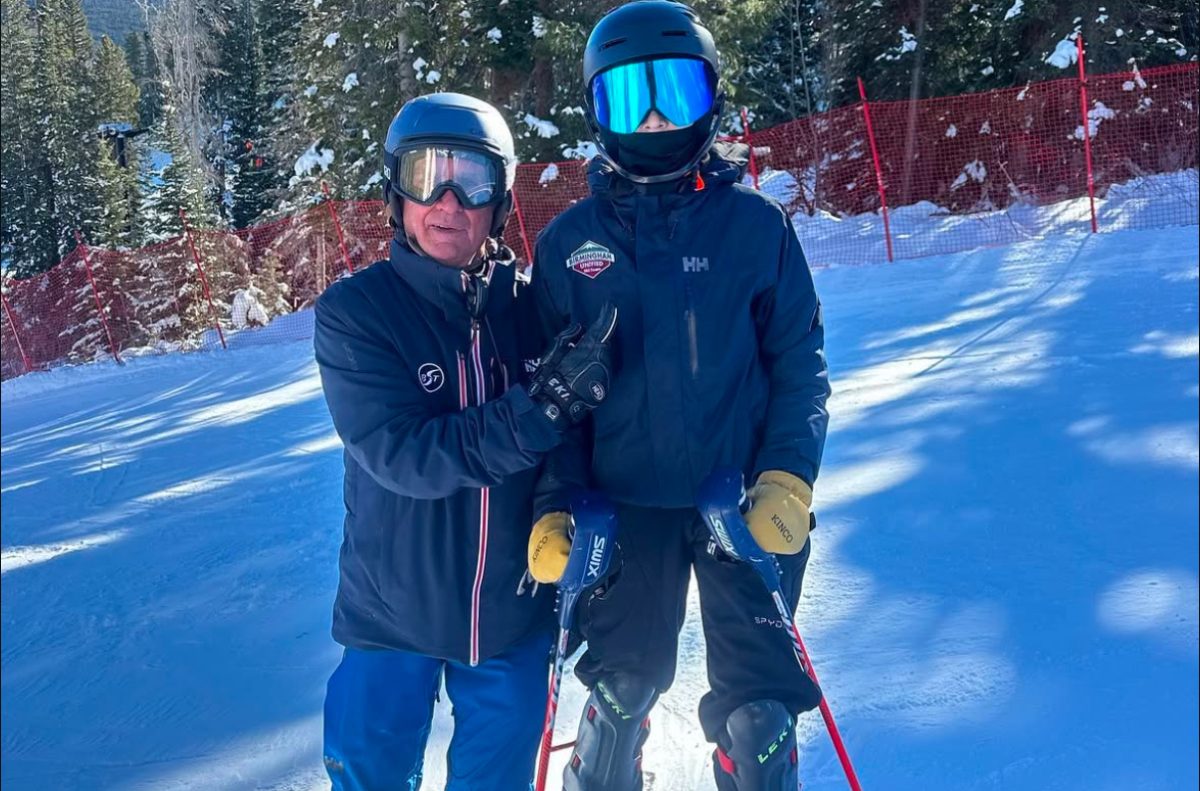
column 1011, row 462
column 993, row 472
column 200, row 631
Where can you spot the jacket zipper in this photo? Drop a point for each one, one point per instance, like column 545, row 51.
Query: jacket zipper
column 476, row 365
column 689, row 318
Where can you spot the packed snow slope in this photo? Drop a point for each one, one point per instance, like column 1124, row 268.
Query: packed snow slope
column 1002, row 595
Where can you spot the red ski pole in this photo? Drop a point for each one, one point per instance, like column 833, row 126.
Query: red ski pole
column 591, row 553
column 543, row 764
column 721, row 498
column 835, row 735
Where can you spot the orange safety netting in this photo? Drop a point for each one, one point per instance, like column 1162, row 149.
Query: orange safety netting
column 956, row 173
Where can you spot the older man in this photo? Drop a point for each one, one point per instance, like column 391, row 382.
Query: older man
column 423, row 373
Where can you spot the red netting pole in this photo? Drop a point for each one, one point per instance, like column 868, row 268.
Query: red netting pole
column 750, row 145
column 1087, row 132
column 521, row 226
column 212, row 310
column 337, row 224
column 13, row 326
column 87, row 265
column 887, row 228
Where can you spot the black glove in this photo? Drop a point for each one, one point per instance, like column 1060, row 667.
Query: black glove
column 573, row 375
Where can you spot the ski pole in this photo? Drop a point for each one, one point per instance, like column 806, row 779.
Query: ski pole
column 591, row 553
column 722, row 502
column 547, row 746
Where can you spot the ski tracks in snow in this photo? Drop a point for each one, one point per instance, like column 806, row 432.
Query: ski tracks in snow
column 1002, row 590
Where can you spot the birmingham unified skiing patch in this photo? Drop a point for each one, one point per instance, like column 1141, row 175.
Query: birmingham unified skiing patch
column 591, row 259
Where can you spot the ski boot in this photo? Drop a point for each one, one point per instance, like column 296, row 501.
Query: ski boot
column 757, row 752
column 614, row 726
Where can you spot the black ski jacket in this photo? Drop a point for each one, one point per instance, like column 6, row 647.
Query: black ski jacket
column 442, row 447
column 719, row 338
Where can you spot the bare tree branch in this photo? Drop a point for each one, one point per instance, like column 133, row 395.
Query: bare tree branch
column 184, row 46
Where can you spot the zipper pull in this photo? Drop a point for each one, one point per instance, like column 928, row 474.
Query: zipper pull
column 474, row 330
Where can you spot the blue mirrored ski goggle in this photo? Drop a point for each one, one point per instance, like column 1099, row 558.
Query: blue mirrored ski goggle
column 680, row 89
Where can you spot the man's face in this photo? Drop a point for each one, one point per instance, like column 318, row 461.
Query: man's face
column 446, row 232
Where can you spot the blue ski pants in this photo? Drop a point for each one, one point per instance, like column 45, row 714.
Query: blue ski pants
column 379, row 707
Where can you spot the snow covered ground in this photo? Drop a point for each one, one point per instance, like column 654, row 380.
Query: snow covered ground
column 1003, row 592
column 925, row 229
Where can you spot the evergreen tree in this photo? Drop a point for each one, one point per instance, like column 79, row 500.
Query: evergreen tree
column 509, row 51
column 876, row 41
column 172, row 182
column 261, row 293
column 116, row 93
column 280, row 25
column 169, row 281
column 777, row 73
column 558, row 33
column 116, row 103
column 72, row 146
column 348, row 86
column 89, row 338
column 926, row 48
column 25, row 246
column 155, row 295
column 238, row 96
column 524, row 56
column 277, row 95
column 1150, row 33
column 147, row 75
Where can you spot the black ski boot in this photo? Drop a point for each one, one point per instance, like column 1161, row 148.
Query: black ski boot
column 608, row 749
column 758, row 751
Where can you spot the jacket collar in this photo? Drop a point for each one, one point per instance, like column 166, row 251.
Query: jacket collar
column 721, row 166
column 716, row 171
column 443, row 286
column 446, row 287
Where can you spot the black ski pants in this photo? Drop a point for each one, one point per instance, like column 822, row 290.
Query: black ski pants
column 634, row 625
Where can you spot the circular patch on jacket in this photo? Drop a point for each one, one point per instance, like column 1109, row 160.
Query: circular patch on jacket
column 431, row 377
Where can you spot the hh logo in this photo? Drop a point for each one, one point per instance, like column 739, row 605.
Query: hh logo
column 694, row 264
column 591, row 259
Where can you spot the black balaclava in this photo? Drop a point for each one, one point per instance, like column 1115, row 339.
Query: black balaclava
column 656, row 153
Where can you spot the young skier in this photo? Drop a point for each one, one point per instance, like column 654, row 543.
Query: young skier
column 720, row 353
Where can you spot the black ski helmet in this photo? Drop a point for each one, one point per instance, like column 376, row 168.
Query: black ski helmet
column 457, row 120
column 643, row 30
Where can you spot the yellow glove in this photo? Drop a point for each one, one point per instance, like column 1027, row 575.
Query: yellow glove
column 778, row 516
column 549, row 547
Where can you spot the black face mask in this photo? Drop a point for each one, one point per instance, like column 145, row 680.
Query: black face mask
column 657, row 153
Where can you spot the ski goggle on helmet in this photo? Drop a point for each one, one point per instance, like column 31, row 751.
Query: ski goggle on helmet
column 424, row 174
column 680, row 89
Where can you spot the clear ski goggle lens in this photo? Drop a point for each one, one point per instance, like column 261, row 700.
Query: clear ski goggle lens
column 680, row 89
column 424, row 174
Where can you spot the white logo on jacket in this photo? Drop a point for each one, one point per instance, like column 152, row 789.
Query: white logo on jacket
column 431, row 377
